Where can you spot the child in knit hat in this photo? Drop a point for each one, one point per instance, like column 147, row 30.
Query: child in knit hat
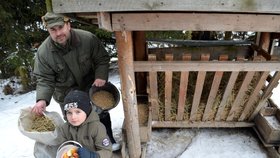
column 83, row 126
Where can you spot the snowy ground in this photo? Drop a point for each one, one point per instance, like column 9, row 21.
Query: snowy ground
column 167, row 143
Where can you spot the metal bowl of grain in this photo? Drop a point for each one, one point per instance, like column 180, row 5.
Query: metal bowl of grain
column 104, row 98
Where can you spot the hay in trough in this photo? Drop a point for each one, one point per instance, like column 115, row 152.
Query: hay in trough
column 205, row 94
column 207, row 85
column 143, row 113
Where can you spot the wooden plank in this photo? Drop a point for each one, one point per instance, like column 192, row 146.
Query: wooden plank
column 87, row 15
column 144, row 150
column 146, row 128
column 273, row 152
column 200, row 124
column 272, row 103
column 262, row 103
column 253, row 6
column 240, row 96
column 184, row 79
column 139, row 47
column 168, row 89
column 223, row 113
column 254, row 96
column 198, row 47
column 104, row 21
column 153, row 90
column 265, row 41
column 214, row 90
column 125, row 56
column 198, row 89
column 261, row 51
column 199, row 22
column 226, row 94
column 124, row 151
column 145, row 66
column 86, row 18
column 149, row 134
column 261, row 137
column 207, row 45
column 143, row 134
column 272, row 84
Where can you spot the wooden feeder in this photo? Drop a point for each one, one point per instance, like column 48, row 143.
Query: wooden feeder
column 268, row 126
column 193, row 92
column 140, row 68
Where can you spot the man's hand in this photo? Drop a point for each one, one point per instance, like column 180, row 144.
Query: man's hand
column 99, row 82
column 39, row 107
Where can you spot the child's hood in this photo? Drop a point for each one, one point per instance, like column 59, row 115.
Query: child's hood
column 93, row 116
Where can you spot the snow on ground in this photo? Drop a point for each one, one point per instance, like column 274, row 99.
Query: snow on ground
column 167, row 143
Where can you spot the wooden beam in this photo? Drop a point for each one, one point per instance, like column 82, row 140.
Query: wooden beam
column 247, row 6
column 87, row 15
column 213, row 92
column 153, row 91
column 104, row 21
column 230, row 84
column 91, row 18
column 198, row 90
column 265, row 41
column 196, row 51
column 273, row 152
column 254, row 97
column 184, row 79
column 196, row 22
column 199, row 124
column 261, row 51
column 125, row 61
column 146, row 66
column 203, row 43
column 272, row 84
column 261, row 104
column 140, row 54
column 236, row 105
column 168, row 90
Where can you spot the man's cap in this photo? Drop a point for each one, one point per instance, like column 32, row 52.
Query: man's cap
column 77, row 99
column 51, row 19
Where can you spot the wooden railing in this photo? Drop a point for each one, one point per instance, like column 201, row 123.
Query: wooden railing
column 216, row 93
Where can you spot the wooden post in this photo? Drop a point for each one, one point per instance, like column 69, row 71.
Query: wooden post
column 126, row 68
column 139, row 39
column 168, row 90
column 265, row 41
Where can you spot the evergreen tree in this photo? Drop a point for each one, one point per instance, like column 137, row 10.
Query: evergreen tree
column 21, row 32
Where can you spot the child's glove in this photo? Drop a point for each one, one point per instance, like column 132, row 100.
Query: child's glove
column 85, row 153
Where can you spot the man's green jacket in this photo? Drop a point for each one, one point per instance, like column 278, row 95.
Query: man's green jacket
column 59, row 69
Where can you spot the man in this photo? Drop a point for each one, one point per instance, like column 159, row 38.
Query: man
column 69, row 59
